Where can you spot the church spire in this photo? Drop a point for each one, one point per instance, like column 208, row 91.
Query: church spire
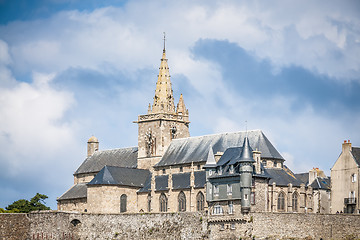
column 164, row 99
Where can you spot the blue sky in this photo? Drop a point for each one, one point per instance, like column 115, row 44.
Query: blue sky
column 71, row 69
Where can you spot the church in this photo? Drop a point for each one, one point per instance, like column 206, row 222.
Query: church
column 169, row 171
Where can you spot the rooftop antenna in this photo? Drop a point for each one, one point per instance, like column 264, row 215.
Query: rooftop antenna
column 164, row 42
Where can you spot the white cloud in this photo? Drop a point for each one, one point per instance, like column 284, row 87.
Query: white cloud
column 31, row 123
column 122, row 38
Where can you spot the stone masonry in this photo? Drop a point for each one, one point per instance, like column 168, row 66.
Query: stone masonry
column 67, row 225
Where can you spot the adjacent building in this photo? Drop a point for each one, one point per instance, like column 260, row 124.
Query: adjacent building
column 345, row 186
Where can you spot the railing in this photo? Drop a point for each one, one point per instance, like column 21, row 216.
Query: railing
column 348, row 201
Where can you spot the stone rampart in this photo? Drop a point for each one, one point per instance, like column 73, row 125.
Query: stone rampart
column 14, row 226
column 68, row 225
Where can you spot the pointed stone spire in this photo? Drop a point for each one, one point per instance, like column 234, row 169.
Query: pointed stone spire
column 149, row 108
column 211, row 162
column 164, row 99
column 181, row 109
column 246, row 154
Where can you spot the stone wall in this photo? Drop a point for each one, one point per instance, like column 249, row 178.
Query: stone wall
column 14, row 226
column 285, row 226
column 67, row 225
column 61, row 225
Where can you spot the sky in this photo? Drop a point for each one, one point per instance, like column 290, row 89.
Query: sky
column 70, row 69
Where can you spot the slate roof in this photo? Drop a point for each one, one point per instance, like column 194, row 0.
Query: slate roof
column 121, row 157
column 200, row 179
column 180, row 181
column 110, row 175
column 161, row 182
column 318, row 183
column 356, row 153
column 196, row 149
column 303, row 177
column 321, row 183
column 282, row 177
column 77, row 191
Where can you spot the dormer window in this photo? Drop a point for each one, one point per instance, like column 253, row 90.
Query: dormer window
column 220, row 170
column 210, row 172
column 231, row 169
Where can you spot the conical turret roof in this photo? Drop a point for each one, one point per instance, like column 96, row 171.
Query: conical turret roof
column 246, row 153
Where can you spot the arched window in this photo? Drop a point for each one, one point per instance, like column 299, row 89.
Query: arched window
column 163, row 203
column 182, row 202
column 200, row 201
column 123, row 200
column 295, row 198
column 149, row 202
column 281, row 201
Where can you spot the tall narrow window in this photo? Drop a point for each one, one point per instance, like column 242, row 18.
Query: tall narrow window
column 229, row 189
column 231, row 207
column 216, row 190
column 163, row 203
column 149, row 202
column 353, row 177
column 200, row 201
column 182, row 202
column 295, row 202
column 252, row 198
column 123, row 200
column 281, row 202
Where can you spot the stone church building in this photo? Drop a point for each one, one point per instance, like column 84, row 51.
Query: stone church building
column 169, row 171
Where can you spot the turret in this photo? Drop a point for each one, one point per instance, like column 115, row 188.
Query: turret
column 92, row 146
column 210, row 168
column 246, row 162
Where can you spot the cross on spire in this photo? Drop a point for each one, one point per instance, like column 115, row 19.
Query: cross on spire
column 164, row 42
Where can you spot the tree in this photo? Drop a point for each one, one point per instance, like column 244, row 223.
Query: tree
column 25, row 206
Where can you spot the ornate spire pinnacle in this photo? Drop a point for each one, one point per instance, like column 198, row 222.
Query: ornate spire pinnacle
column 164, row 99
column 181, row 109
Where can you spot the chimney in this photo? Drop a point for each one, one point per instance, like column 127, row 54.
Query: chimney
column 92, row 146
column 346, row 146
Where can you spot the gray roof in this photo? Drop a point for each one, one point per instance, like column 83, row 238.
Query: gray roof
column 356, row 153
column 161, row 182
column 200, row 179
column 321, row 183
column 181, row 180
column 196, row 149
column 318, row 183
column 121, row 157
column 282, row 177
column 110, row 175
column 77, row 191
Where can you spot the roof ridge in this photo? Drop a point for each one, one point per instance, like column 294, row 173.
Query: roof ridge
column 113, row 149
column 217, row 134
